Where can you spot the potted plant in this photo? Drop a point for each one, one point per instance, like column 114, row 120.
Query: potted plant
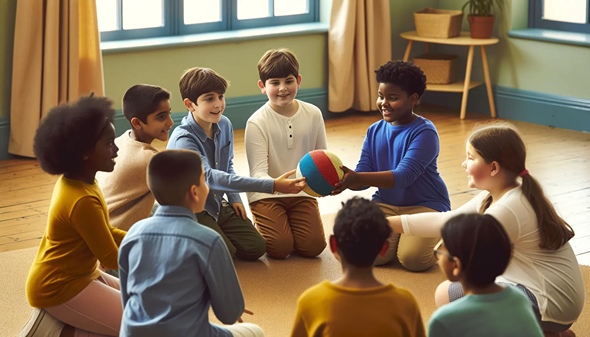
column 481, row 17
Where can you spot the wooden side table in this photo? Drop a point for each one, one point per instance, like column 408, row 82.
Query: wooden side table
column 461, row 86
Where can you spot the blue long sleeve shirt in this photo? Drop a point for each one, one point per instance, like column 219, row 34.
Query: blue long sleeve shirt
column 217, row 155
column 172, row 270
column 409, row 151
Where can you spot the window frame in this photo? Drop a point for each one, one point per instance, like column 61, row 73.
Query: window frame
column 536, row 20
column 174, row 21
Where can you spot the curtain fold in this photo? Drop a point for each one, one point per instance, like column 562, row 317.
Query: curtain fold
column 56, row 59
column 359, row 41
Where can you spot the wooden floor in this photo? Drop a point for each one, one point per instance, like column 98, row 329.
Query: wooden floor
column 559, row 159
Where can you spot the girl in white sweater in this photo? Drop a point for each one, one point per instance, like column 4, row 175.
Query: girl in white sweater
column 543, row 265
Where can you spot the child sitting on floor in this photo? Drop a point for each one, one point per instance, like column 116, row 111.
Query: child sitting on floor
column 358, row 304
column 474, row 251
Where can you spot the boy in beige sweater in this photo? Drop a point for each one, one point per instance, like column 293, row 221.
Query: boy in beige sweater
column 128, row 198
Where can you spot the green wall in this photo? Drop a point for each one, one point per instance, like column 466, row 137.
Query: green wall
column 236, row 61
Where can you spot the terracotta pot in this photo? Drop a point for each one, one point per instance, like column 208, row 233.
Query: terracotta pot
column 481, row 27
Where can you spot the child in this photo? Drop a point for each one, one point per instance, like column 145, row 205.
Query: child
column 72, row 295
column 209, row 133
column 147, row 108
column 277, row 136
column 543, row 265
column 194, row 269
column 399, row 156
column 474, row 251
column 358, row 304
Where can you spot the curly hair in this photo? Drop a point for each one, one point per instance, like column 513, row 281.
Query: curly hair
column 142, row 100
column 360, row 230
column 69, row 132
column 409, row 77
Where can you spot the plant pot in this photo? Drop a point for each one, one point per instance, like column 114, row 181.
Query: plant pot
column 481, row 27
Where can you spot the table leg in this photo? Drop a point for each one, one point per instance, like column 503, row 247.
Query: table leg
column 486, row 73
column 408, row 50
column 467, row 82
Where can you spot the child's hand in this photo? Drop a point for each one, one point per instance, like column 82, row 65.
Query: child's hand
column 349, row 180
column 246, row 311
column 239, row 210
column 289, row 186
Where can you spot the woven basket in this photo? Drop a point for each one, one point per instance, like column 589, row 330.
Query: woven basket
column 441, row 23
column 438, row 68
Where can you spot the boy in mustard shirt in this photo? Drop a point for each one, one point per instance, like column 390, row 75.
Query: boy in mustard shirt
column 358, row 304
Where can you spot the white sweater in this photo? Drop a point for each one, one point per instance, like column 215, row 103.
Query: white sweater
column 125, row 189
column 275, row 143
column 554, row 277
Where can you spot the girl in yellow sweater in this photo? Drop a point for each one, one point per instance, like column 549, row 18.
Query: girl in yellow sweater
column 71, row 296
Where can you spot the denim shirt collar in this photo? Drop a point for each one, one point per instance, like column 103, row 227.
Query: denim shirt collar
column 173, row 210
column 198, row 130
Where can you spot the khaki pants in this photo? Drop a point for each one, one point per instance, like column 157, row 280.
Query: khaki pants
column 290, row 225
column 413, row 252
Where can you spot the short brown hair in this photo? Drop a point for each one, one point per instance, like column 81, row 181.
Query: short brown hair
column 278, row 63
column 197, row 81
column 171, row 173
column 142, row 100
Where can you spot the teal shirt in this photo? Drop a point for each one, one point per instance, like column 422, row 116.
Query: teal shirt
column 504, row 314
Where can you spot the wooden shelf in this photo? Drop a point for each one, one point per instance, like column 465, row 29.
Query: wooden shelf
column 452, row 87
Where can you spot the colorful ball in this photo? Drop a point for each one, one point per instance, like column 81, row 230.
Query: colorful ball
column 321, row 169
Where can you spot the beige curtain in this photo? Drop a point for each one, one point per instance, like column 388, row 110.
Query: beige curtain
column 56, row 59
column 359, row 41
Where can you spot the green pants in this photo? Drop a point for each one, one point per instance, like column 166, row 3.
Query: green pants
column 240, row 236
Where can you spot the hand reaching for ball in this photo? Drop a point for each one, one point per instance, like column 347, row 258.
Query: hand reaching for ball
column 349, row 180
column 288, row 186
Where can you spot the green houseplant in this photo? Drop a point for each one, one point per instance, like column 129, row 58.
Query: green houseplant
column 481, row 17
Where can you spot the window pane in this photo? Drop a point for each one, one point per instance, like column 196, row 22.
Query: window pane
column 573, row 11
column 290, row 7
column 142, row 14
column 107, row 15
column 201, row 11
column 252, row 9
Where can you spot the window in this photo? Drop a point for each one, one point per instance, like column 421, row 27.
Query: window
column 135, row 19
column 564, row 15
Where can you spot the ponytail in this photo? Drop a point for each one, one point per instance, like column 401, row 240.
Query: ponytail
column 553, row 230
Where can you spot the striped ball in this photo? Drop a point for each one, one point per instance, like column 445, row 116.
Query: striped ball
column 321, row 169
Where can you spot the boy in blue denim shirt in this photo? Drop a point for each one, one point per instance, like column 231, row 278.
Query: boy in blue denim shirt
column 208, row 132
column 172, row 271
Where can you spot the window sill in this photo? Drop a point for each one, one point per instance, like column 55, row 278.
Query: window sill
column 553, row 36
column 210, row 38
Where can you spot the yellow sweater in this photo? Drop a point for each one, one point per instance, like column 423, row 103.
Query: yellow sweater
column 77, row 235
column 330, row 310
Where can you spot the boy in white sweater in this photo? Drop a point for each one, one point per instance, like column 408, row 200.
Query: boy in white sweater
column 277, row 136
column 128, row 198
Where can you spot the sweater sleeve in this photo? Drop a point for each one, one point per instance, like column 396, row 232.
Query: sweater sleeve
column 256, row 151
column 422, row 151
column 89, row 220
column 299, row 329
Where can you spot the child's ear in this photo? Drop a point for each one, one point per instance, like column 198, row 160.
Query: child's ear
column 261, row 86
column 298, row 80
column 384, row 248
column 495, row 168
column 188, row 104
column 333, row 244
column 458, row 268
column 414, row 98
column 136, row 123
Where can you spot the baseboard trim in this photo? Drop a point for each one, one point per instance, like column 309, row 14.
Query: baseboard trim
column 522, row 105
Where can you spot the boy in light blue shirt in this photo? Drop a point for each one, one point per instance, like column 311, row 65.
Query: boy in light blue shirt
column 171, row 269
column 206, row 131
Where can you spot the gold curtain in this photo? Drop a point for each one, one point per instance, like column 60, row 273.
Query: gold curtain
column 56, row 59
column 359, row 41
